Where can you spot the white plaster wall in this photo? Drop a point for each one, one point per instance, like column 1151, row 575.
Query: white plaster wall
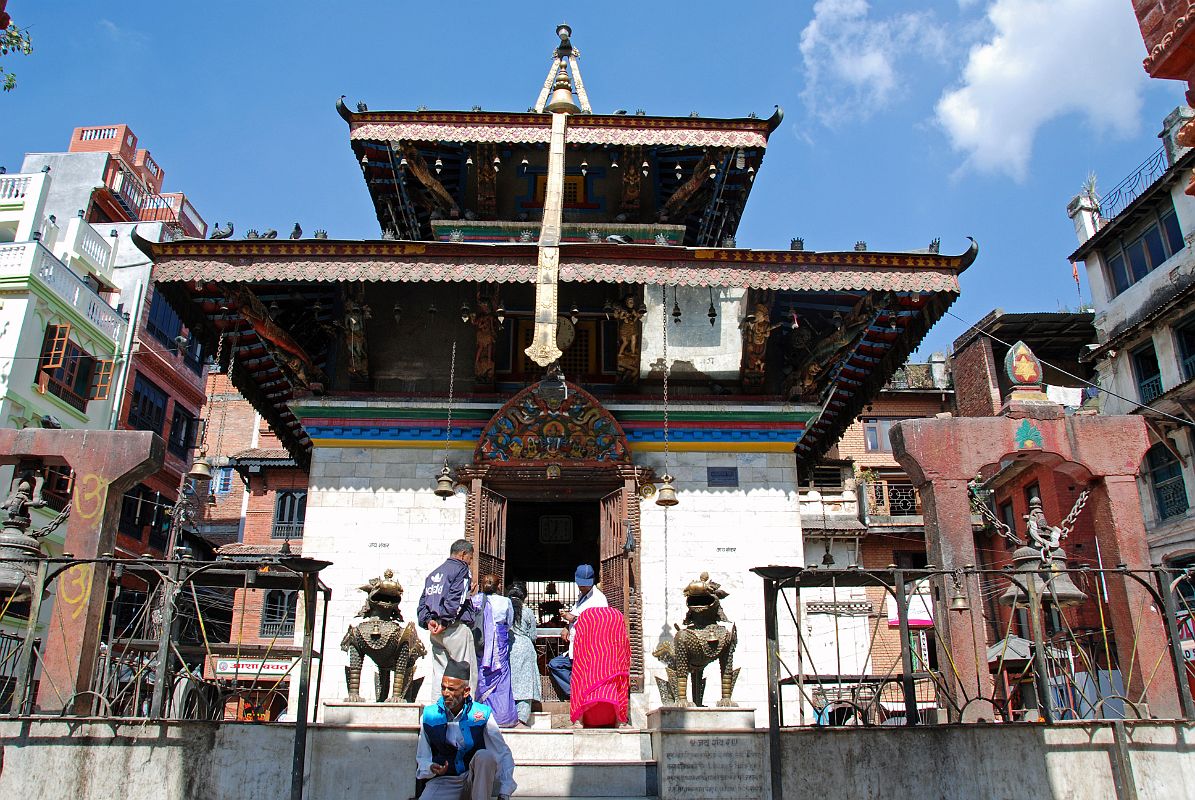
column 695, row 346
column 725, row 532
column 369, row 509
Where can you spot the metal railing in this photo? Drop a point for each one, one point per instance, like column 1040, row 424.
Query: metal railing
column 872, row 647
column 1150, row 389
column 1122, row 194
column 1171, row 497
column 892, row 499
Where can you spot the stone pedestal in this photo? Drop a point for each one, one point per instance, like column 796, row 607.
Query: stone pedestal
column 372, row 715
column 675, row 718
column 712, row 753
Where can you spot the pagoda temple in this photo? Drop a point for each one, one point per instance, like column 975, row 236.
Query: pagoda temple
column 556, row 322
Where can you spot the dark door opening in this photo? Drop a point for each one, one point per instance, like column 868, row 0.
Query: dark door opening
column 544, row 544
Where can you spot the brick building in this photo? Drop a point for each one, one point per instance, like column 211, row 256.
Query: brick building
column 256, row 505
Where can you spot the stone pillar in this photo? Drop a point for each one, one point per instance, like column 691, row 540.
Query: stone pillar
column 106, row 465
column 1142, row 649
column 962, row 643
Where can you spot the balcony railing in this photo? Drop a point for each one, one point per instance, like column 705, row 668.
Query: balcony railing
column 1189, row 367
column 31, row 258
column 287, row 530
column 277, row 629
column 13, row 187
column 1129, row 189
column 891, row 499
column 1150, row 388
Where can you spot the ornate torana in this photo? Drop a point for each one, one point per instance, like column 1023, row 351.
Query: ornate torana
column 535, row 428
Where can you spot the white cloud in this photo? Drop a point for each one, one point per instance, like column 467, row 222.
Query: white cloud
column 853, row 62
column 1044, row 59
column 124, row 37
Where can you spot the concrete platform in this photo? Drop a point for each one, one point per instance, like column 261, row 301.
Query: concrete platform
column 582, row 745
column 586, row 778
column 675, row 718
column 372, row 715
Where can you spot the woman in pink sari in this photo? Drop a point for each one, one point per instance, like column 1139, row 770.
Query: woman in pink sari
column 601, row 669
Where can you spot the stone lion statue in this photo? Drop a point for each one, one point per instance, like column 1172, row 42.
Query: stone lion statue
column 381, row 635
column 702, row 640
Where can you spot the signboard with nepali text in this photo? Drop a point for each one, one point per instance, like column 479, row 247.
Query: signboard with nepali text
column 253, row 667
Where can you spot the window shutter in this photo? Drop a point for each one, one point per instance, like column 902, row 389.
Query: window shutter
column 101, row 380
column 55, row 346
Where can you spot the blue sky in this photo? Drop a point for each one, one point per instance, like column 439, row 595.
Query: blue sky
column 904, row 120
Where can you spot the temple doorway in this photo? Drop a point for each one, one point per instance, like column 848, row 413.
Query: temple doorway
column 545, row 541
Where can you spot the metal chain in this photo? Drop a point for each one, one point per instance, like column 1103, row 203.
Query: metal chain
column 664, row 317
column 451, row 384
column 985, row 512
column 1069, row 522
column 53, row 524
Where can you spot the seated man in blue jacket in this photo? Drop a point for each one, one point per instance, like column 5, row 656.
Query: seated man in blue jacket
column 461, row 751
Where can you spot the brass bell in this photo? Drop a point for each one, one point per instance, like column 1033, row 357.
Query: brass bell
column 444, row 483
column 201, row 470
column 667, row 494
column 959, row 601
column 1057, row 589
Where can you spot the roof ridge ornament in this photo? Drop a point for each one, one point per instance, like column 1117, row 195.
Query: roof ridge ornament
column 564, row 62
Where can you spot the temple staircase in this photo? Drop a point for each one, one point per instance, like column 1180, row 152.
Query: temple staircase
column 563, row 763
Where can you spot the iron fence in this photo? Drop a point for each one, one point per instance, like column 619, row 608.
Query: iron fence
column 873, row 647
column 1122, row 194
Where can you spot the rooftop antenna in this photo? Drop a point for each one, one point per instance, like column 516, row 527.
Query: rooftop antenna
column 564, row 57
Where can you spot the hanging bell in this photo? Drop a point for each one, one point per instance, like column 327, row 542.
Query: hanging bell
column 1056, row 588
column 667, row 494
column 676, row 315
column 444, row 483
column 712, row 314
column 959, row 601
column 201, row 470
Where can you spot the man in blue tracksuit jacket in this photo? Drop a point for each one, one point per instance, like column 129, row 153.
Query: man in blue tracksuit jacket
column 461, row 751
column 446, row 610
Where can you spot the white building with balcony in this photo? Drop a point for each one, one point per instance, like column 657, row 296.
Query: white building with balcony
column 1135, row 242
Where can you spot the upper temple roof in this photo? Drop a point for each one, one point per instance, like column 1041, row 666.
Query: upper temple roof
column 622, row 169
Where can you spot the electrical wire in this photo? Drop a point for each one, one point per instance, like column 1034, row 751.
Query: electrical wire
column 1095, row 386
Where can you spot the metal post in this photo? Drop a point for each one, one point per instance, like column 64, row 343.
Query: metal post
column 1176, row 648
column 906, row 651
column 298, row 763
column 770, row 591
column 1041, row 676
column 798, row 617
column 24, row 696
column 157, row 709
column 323, row 643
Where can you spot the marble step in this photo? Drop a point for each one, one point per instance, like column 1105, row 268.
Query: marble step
column 607, row 779
column 619, row 744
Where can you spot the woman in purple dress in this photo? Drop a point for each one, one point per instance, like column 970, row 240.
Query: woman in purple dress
column 496, row 616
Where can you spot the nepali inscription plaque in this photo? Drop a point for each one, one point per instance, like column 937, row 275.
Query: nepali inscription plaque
column 714, row 766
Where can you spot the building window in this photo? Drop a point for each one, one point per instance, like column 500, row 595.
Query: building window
column 1132, row 257
column 69, row 372
column 1166, row 478
column 290, row 509
column 222, row 481
column 574, row 194
column 875, row 434
column 142, row 507
column 148, row 411
column 1149, row 375
column 183, row 427
column 278, row 613
column 1185, row 333
column 163, row 324
column 1008, row 516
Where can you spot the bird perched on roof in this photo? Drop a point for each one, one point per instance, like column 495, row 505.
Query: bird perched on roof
column 297, row 233
column 221, row 233
column 270, row 234
column 618, row 238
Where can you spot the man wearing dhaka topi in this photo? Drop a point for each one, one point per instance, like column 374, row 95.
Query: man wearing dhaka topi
column 461, row 753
